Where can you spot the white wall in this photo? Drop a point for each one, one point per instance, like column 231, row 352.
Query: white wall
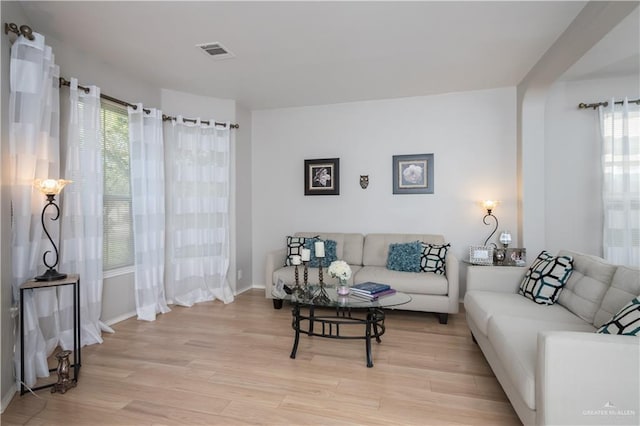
column 471, row 134
column 243, row 194
column 573, row 190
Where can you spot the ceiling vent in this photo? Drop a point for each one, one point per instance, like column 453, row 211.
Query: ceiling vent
column 215, row 50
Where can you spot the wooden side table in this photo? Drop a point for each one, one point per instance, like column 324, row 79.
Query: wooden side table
column 32, row 285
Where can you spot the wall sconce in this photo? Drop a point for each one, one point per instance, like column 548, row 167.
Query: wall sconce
column 489, row 205
column 50, row 188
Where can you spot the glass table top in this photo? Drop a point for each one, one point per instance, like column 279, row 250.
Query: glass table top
column 311, row 298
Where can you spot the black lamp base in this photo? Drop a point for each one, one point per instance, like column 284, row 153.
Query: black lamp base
column 51, row 275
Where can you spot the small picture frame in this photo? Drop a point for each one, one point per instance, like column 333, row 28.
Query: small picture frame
column 515, row 257
column 481, row 255
column 413, row 174
column 322, row 176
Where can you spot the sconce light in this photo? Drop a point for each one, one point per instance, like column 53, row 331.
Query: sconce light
column 50, row 188
column 489, row 205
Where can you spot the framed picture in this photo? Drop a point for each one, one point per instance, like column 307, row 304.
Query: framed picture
column 515, row 256
column 413, row 174
column 322, row 177
column 481, row 255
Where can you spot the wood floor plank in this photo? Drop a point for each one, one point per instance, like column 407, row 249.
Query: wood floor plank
column 218, row 364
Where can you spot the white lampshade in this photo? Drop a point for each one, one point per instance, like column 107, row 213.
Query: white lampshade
column 505, row 237
column 489, row 205
column 50, row 186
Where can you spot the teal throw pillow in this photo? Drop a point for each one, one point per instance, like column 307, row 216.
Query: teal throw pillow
column 329, row 252
column 404, row 257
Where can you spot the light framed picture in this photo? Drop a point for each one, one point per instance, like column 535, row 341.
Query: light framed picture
column 481, row 255
column 322, row 176
column 413, row 174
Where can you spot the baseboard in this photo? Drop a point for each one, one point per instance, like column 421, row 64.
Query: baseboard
column 243, row 291
column 120, row 318
column 262, row 286
column 6, row 398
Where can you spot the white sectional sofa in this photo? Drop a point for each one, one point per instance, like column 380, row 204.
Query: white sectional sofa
column 367, row 257
column 550, row 362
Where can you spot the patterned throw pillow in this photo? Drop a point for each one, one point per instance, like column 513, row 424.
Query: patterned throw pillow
column 404, row 257
column 294, row 247
column 329, row 252
column 432, row 258
column 545, row 278
column 626, row 321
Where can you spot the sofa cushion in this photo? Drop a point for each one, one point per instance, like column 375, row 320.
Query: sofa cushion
column 433, row 257
column 348, row 246
column 329, row 252
column 376, row 246
column 515, row 340
column 545, row 278
column 587, row 284
column 404, row 257
column 625, row 285
column 482, row 305
column 294, row 248
column 406, row 282
column 626, row 321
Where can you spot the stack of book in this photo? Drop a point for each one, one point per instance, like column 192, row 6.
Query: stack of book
column 371, row 291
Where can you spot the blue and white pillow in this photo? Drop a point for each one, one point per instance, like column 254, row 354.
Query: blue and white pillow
column 330, row 252
column 433, row 258
column 626, row 321
column 546, row 277
column 404, row 257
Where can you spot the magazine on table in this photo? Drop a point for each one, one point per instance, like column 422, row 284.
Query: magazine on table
column 370, row 287
column 375, row 296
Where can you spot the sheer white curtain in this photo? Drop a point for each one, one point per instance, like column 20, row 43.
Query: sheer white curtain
column 34, row 153
column 620, row 132
column 197, row 212
column 82, row 216
column 147, row 198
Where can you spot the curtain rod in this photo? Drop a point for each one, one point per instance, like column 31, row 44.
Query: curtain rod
column 65, row 82
column 27, row 32
column 582, row 105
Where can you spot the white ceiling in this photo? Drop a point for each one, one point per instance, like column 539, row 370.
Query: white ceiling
column 309, row 53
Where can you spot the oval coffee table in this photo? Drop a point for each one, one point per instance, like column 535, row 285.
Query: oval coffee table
column 350, row 312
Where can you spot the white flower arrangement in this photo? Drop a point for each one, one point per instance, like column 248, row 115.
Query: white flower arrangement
column 340, row 269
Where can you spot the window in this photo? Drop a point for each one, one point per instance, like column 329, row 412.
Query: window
column 118, row 223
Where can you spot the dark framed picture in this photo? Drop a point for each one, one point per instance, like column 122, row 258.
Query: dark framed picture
column 413, row 174
column 322, row 176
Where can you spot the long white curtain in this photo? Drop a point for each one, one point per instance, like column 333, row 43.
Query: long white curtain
column 197, row 212
column 82, row 216
column 147, row 198
column 620, row 132
column 34, row 153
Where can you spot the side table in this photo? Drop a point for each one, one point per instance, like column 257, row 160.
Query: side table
column 32, row 285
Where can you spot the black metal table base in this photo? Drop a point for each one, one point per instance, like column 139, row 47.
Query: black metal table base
column 330, row 326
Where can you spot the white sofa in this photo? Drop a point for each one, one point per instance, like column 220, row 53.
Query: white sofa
column 367, row 256
column 550, row 362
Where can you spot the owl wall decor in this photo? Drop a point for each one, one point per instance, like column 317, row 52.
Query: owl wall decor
column 364, row 181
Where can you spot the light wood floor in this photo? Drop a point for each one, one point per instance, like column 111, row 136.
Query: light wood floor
column 218, row 364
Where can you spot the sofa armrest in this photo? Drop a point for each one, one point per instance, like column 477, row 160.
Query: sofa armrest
column 452, row 267
column 504, row 279
column 275, row 260
column 587, row 378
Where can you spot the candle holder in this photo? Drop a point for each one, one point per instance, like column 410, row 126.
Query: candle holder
column 305, row 280
column 321, row 297
column 298, row 291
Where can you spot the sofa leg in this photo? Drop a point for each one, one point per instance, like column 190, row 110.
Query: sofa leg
column 443, row 318
column 474, row 339
column 277, row 303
